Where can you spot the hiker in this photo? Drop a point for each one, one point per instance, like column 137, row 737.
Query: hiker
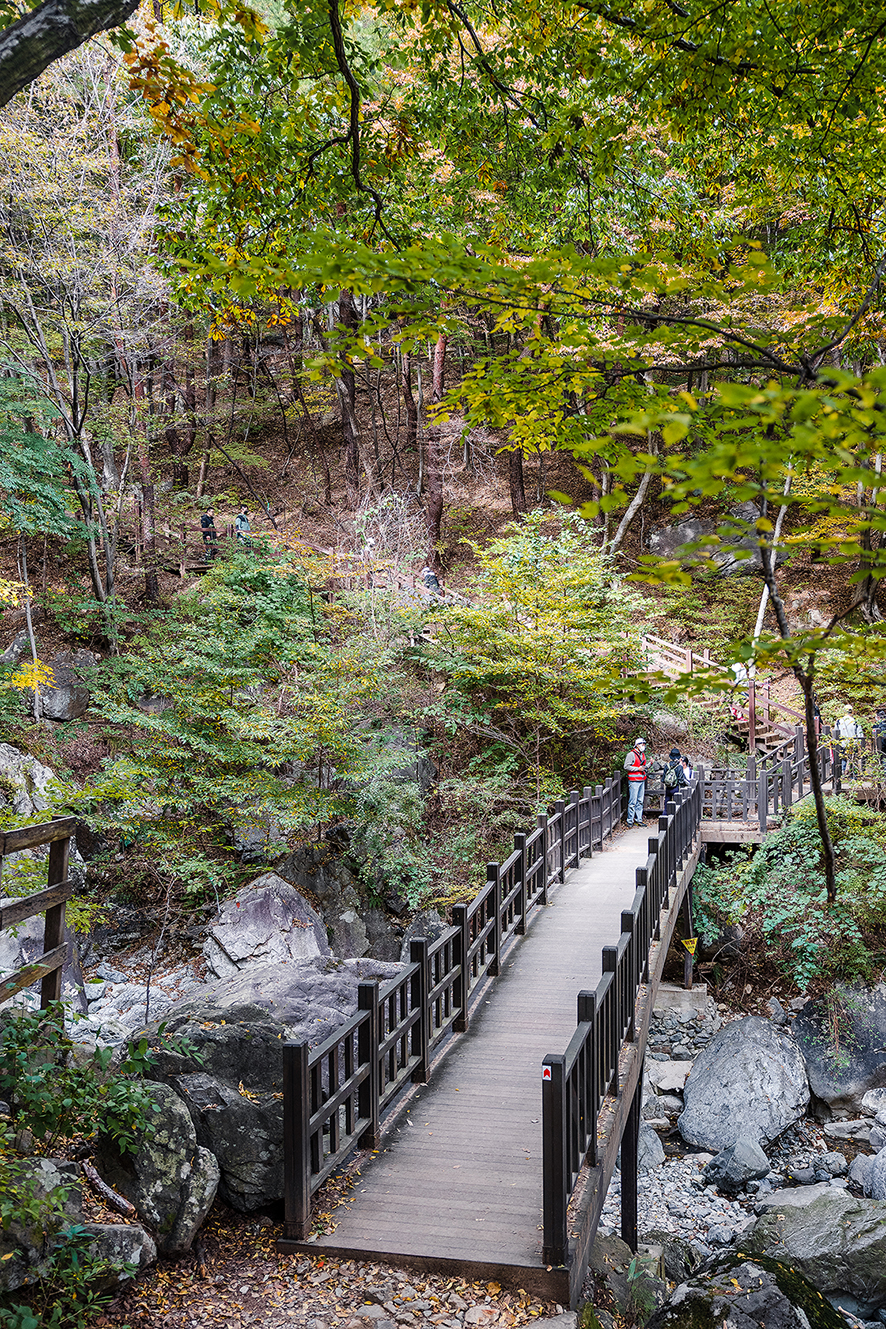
column 429, row 577
column 880, row 731
column 210, row 534
column 847, row 732
column 672, row 776
column 241, row 524
column 635, row 765
column 687, row 768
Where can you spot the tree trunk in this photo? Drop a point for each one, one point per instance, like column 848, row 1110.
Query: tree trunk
column 439, row 367
column 149, row 538
column 405, row 377
column 515, row 480
column 23, row 573
column 434, row 509
column 346, row 387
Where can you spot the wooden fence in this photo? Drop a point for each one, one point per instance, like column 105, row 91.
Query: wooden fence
column 48, row 969
column 575, row 1083
column 769, row 784
column 336, row 1095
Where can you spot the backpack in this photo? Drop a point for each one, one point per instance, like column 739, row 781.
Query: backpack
column 670, row 777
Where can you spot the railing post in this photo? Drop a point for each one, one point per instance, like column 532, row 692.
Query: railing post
column 612, row 1033
column 555, row 1187
column 522, row 901
column 787, row 782
column 752, row 716
column 560, row 807
column 296, row 1142
column 420, row 1041
column 463, row 983
column 587, row 796
column 762, row 798
column 543, row 827
column 629, row 1152
column 575, row 804
column 367, row 1052
column 587, row 1010
column 493, row 876
column 598, row 794
column 54, row 924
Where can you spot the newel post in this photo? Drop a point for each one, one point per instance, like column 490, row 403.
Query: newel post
column 493, row 877
column 560, row 809
column 296, row 1142
column 367, row 1054
column 418, row 955
column 463, row 983
column 543, row 827
column 522, row 902
column 553, row 1126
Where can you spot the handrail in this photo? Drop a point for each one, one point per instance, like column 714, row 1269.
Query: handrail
column 48, row 969
column 336, row 1096
column 576, row 1082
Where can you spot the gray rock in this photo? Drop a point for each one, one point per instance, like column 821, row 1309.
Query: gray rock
column 749, row 1082
column 859, row 1169
column 169, row 1178
column 667, row 1076
column 25, row 1249
column 842, row 1078
column 25, row 784
column 256, row 842
column 24, row 944
column 427, row 923
column 332, row 875
column 738, row 1293
column 266, row 921
column 875, row 1185
column 859, row 1130
column 68, row 697
column 650, row 1151
column 121, row 1243
column 874, row 1103
column 834, row 1163
column 731, row 1170
column 237, row 1028
column 669, row 541
column 836, row 1242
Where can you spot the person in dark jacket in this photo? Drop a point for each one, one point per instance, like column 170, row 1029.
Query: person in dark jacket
column 210, row 534
column 673, row 776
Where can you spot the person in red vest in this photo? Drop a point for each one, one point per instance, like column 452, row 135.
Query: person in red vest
column 635, row 765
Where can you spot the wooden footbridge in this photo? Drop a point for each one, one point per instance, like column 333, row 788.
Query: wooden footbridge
column 505, row 1062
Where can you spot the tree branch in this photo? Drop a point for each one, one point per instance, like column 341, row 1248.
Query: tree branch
column 49, row 32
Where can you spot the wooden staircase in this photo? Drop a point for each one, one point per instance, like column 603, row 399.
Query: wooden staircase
column 764, row 725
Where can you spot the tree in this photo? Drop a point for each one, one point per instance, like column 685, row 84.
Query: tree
column 50, row 31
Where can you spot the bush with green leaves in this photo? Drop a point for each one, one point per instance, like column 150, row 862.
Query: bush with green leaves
column 778, row 896
column 58, row 1090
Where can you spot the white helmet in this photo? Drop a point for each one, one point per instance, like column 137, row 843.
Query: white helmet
column 639, row 742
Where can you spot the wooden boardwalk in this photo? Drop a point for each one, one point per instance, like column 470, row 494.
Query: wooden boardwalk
column 458, row 1181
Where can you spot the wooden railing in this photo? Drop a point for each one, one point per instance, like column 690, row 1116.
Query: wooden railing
column 48, row 969
column 336, row 1095
column 769, row 784
column 576, row 1082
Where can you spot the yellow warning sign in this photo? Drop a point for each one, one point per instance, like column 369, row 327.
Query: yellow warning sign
column 690, row 943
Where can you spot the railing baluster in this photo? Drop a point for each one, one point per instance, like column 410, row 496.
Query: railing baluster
column 555, row 1185
column 296, row 1141
column 420, row 1042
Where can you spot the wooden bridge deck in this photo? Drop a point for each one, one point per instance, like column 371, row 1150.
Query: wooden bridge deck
column 458, row 1182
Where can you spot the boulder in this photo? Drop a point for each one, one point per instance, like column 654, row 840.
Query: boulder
column 732, row 1169
column 668, row 1076
column 23, row 944
column 266, row 921
column 668, row 541
column 736, row 553
column 52, row 1187
column 650, row 1151
column 875, row 1178
column 68, row 696
column 835, row 1241
column 169, row 1178
column 25, row 783
column 427, row 923
column 257, row 841
column 122, row 1244
column 748, row 1083
column 841, row 1076
column 738, row 1292
column 230, row 1072
column 874, row 1103
column 329, row 873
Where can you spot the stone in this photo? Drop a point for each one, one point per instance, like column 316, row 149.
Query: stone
column 169, row 1178
column 668, row 541
column 833, row 1162
column 50, row 1182
column 25, row 784
column 874, row 1104
column 24, row 944
column 732, row 1169
column 748, row 1083
column 257, row 842
column 266, row 921
column 858, row 1130
column 609, row 1266
column 121, row 1243
column 668, row 1076
column 68, row 696
column 331, row 873
column 237, row 1027
column 835, row 1241
column 842, row 1078
column 735, row 1292
column 859, row 1169
column 428, row 924
column 650, row 1151
column 875, row 1182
